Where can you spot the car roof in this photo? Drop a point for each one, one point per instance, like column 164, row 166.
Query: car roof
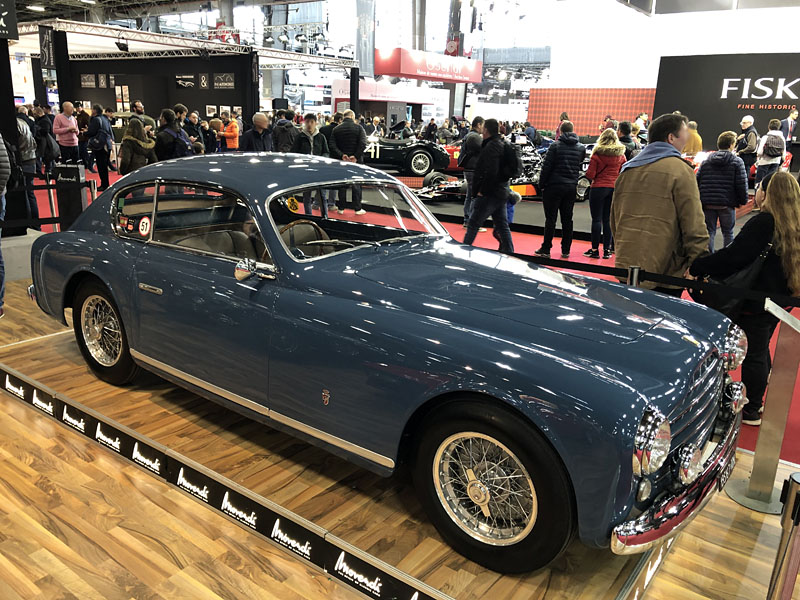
column 257, row 174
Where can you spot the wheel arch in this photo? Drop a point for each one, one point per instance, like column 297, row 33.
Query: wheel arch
column 76, row 280
column 414, row 425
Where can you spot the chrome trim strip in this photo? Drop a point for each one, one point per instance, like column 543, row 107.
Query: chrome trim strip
column 384, row 461
column 200, row 383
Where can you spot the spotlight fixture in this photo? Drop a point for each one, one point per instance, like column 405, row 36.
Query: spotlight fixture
column 89, row 1
column 122, row 44
column 502, row 75
column 269, row 39
column 283, row 38
column 35, row 8
column 301, row 38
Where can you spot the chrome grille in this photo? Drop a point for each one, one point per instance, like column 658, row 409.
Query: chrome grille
column 694, row 419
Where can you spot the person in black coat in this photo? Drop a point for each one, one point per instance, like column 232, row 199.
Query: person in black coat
column 467, row 159
column 311, row 141
column 100, row 129
column 259, row 137
column 779, row 276
column 284, row 133
column 191, row 125
column 558, row 182
column 490, row 186
column 722, row 180
column 348, row 142
column 327, row 131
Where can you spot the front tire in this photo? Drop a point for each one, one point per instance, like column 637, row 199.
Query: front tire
column 100, row 334
column 419, row 163
column 493, row 487
column 433, row 178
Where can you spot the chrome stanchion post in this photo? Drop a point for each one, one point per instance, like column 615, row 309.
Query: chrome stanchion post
column 52, row 199
column 633, row 275
column 782, row 579
column 93, row 189
column 759, row 491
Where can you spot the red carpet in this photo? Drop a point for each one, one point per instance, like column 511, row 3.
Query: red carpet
column 527, row 244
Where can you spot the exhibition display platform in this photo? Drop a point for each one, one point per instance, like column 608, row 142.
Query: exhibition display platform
column 175, row 513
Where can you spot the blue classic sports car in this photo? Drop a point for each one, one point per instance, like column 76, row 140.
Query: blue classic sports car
column 530, row 406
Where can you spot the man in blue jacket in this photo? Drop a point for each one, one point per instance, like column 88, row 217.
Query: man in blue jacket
column 722, row 180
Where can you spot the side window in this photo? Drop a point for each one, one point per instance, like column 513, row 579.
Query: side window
column 210, row 220
column 134, row 212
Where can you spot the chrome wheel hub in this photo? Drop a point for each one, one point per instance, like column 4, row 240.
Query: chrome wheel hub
column 420, row 163
column 101, row 330
column 485, row 488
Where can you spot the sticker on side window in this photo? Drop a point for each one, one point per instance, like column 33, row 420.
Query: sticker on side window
column 144, row 227
column 292, row 204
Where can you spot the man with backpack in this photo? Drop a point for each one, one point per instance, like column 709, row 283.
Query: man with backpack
column 771, row 151
column 559, row 182
column 496, row 164
column 171, row 140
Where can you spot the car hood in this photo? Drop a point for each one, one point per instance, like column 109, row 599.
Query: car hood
column 511, row 288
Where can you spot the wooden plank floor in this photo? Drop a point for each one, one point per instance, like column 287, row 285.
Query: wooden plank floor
column 78, row 522
column 727, row 552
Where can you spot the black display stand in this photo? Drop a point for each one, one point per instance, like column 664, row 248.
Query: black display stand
column 70, row 193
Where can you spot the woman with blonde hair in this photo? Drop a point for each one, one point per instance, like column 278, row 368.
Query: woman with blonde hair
column 608, row 156
column 778, row 224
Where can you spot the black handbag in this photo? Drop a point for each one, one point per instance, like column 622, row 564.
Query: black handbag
column 719, row 299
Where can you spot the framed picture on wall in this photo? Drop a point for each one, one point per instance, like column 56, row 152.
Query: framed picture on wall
column 211, row 110
column 102, row 80
column 126, row 96
column 238, row 110
column 203, row 80
column 88, row 80
column 224, row 108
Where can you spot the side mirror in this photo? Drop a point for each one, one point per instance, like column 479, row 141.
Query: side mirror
column 247, row 268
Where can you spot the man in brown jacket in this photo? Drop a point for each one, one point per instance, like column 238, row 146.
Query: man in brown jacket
column 657, row 219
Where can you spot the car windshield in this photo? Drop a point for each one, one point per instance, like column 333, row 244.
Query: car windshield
column 327, row 219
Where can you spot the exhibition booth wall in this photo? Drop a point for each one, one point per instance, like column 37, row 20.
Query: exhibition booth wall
column 717, row 91
column 202, row 85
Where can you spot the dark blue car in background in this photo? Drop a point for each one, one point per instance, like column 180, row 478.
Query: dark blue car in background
column 530, row 405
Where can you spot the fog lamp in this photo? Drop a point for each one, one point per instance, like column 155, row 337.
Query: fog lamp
column 690, row 464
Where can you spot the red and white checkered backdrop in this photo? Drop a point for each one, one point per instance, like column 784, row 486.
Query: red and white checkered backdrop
column 587, row 107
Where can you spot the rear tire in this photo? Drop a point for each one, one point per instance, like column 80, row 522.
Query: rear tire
column 101, row 335
column 582, row 191
column 433, row 178
column 493, row 487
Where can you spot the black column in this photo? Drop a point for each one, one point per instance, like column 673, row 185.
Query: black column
column 354, row 91
column 39, row 90
column 66, row 86
column 8, row 124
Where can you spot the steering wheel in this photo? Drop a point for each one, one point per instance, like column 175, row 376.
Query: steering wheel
column 293, row 240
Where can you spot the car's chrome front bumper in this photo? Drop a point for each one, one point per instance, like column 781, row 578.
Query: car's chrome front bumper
column 671, row 514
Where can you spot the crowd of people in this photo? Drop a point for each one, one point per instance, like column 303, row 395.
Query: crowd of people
column 648, row 206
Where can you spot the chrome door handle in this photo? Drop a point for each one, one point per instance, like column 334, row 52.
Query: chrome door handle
column 151, row 288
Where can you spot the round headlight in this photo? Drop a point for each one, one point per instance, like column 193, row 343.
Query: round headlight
column 690, row 463
column 735, row 348
column 652, row 443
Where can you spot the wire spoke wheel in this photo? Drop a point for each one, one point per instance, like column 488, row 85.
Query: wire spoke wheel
column 101, row 330
column 485, row 489
column 583, row 188
column 420, row 163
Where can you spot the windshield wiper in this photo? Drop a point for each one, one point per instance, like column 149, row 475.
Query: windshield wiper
column 351, row 243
